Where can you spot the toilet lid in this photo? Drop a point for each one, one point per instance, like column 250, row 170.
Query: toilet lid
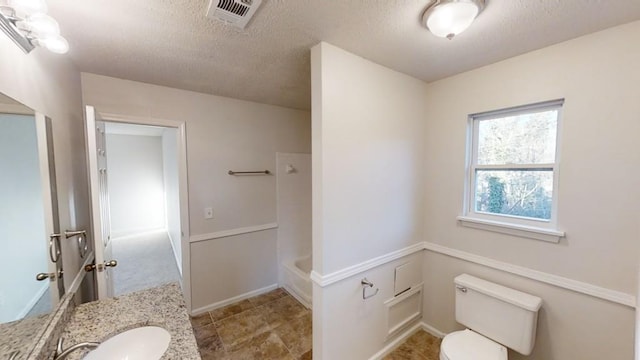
column 468, row 345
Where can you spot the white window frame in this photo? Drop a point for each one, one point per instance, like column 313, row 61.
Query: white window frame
column 539, row 229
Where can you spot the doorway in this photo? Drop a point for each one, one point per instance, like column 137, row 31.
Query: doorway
column 144, row 205
column 148, row 222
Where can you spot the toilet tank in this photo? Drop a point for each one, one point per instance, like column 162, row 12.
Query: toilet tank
column 505, row 315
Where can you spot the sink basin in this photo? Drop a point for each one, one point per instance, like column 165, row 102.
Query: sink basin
column 143, row 343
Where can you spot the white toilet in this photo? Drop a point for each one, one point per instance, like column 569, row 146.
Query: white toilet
column 496, row 317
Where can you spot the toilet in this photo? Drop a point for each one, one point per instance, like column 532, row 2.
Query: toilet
column 496, row 318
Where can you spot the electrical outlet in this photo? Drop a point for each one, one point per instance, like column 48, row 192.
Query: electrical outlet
column 208, row 213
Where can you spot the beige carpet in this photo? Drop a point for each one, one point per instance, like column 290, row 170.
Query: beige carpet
column 144, row 262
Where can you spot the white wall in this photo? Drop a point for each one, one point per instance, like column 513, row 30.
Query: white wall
column 136, row 184
column 50, row 84
column 598, row 77
column 294, row 208
column 368, row 140
column 222, row 134
column 232, row 266
column 637, row 324
column 171, row 191
column 368, row 153
column 570, row 325
column 347, row 327
column 22, row 230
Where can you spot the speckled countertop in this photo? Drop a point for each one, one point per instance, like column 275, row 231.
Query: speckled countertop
column 21, row 335
column 162, row 306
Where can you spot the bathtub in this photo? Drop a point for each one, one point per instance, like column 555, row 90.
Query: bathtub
column 296, row 279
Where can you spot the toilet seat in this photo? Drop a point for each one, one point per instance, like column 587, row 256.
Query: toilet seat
column 468, row 345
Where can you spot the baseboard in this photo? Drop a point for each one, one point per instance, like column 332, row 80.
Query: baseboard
column 396, row 342
column 34, row 300
column 175, row 255
column 432, row 330
column 294, row 293
column 229, row 301
column 405, row 335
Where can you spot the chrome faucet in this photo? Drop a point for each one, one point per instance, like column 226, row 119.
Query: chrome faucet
column 60, row 354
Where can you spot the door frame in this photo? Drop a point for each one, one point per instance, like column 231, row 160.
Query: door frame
column 92, row 117
column 183, row 185
column 46, row 163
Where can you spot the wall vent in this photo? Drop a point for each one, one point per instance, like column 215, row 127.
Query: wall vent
column 233, row 12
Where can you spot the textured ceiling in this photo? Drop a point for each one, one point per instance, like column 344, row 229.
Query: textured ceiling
column 172, row 43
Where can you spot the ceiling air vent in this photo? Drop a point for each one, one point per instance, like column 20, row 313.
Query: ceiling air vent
column 233, row 12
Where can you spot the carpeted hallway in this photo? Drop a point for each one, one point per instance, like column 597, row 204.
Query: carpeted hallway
column 144, row 261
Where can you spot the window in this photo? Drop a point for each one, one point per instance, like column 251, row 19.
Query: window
column 512, row 170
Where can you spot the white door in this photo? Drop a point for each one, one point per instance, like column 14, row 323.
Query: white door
column 97, row 161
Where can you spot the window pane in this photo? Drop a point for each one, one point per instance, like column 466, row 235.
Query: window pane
column 521, row 139
column 526, row 193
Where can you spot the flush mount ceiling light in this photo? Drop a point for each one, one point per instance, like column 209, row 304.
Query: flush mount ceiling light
column 448, row 18
column 28, row 25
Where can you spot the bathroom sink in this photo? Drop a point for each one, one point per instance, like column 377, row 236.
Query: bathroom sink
column 143, row 343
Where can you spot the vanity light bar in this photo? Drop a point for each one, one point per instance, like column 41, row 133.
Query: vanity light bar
column 28, row 25
column 12, row 32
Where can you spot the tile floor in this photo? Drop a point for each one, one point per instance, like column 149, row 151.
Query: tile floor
column 275, row 326
column 269, row 326
column 419, row 346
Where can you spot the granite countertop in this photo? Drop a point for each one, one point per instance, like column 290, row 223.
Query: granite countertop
column 21, row 335
column 161, row 306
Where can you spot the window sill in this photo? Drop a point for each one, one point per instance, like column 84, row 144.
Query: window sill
column 531, row 232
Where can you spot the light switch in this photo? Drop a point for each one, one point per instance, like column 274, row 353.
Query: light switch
column 208, row 213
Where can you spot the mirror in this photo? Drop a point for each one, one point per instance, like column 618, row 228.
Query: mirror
column 28, row 218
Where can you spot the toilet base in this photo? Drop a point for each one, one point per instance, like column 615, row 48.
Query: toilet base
column 469, row 345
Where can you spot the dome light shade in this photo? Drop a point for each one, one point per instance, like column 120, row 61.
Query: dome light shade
column 56, row 44
column 448, row 18
column 29, row 6
column 43, row 25
column 27, row 24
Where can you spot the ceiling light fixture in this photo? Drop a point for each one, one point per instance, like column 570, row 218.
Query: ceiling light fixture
column 29, row 6
column 28, row 25
column 448, row 18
